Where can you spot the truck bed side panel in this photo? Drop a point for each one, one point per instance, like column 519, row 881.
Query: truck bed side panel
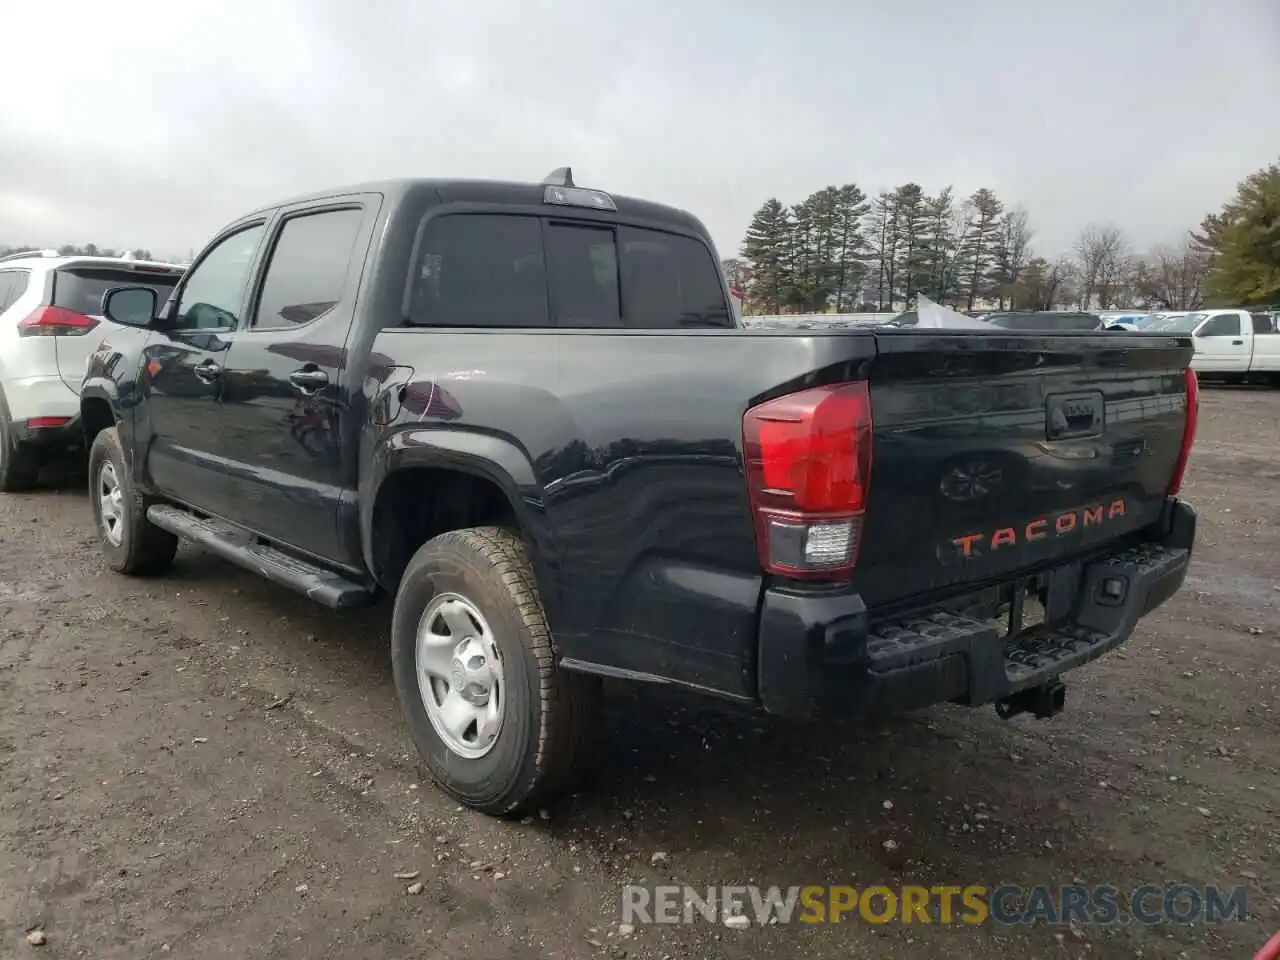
column 640, row 509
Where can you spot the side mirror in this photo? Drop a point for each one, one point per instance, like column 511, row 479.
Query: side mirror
column 130, row 306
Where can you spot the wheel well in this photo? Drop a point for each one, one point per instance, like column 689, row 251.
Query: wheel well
column 419, row 503
column 95, row 416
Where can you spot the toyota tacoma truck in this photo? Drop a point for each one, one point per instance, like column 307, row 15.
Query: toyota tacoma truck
column 528, row 413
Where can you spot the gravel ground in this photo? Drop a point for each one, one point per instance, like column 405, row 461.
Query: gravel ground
column 206, row 765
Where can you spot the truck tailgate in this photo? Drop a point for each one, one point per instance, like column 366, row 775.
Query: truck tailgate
column 994, row 455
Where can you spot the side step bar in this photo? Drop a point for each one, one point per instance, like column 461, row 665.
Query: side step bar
column 242, row 549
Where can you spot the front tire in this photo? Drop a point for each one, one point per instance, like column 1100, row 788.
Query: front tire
column 131, row 543
column 500, row 727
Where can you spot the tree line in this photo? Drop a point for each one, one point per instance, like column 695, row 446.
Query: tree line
column 71, row 250
column 841, row 251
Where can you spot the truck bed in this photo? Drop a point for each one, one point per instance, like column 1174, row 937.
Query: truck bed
column 993, row 455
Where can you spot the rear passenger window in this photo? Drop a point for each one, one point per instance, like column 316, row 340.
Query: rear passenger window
column 308, row 268
column 480, row 270
column 1223, row 325
column 1262, row 323
column 13, row 284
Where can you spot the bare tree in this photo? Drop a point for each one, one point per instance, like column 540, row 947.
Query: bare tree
column 1116, row 268
column 1058, row 283
column 1102, row 255
column 1178, row 276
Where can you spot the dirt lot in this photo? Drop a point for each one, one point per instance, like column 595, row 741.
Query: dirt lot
column 207, row 766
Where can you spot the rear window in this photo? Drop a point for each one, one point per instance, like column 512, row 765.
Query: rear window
column 496, row 270
column 1047, row 321
column 81, row 288
column 582, row 265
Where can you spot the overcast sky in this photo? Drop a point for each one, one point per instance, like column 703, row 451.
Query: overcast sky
column 152, row 124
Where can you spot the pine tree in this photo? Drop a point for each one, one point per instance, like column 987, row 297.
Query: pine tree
column 848, row 256
column 765, row 247
column 812, row 251
column 938, row 245
column 1246, row 270
column 912, row 253
column 981, row 242
column 882, row 226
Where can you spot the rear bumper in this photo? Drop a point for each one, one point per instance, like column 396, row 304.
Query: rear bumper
column 52, row 440
column 818, row 655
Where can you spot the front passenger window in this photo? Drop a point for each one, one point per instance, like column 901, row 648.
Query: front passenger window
column 1223, row 325
column 214, row 291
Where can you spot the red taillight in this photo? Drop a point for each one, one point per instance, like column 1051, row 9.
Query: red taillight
column 808, row 457
column 44, row 423
column 55, row 322
column 1188, row 432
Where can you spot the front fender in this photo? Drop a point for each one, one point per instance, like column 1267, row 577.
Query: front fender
column 479, row 454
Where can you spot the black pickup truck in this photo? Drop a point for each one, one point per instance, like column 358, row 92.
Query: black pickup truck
column 528, row 412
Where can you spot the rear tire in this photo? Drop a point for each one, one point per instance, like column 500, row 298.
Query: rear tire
column 19, row 463
column 131, row 543
column 543, row 737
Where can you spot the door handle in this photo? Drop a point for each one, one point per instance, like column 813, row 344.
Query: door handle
column 309, row 380
column 208, row 371
column 1237, row 343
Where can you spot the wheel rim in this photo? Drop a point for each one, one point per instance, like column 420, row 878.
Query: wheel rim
column 110, row 504
column 460, row 675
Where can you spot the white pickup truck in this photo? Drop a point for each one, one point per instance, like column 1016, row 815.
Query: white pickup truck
column 1233, row 345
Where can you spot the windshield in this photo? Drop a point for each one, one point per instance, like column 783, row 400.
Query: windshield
column 1180, row 324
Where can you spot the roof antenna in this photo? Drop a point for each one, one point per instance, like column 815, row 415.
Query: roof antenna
column 560, row 177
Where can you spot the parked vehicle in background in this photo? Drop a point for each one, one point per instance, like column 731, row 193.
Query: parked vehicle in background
column 528, row 412
column 1049, row 321
column 1231, row 345
column 50, row 321
column 735, row 298
column 1130, row 321
column 1153, row 320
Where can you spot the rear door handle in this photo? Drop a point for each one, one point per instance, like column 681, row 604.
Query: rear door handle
column 208, row 371
column 1237, row 343
column 309, row 379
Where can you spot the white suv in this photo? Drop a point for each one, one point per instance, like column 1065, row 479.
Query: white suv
column 50, row 321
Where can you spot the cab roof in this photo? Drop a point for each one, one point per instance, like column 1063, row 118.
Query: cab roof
column 503, row 192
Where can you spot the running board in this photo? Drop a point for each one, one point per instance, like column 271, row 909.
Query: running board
column 243, row 549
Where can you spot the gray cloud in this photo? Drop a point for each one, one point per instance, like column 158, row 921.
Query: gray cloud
column 156, row 127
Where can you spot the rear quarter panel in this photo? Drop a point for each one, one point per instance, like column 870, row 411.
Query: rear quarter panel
column 634, row 493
